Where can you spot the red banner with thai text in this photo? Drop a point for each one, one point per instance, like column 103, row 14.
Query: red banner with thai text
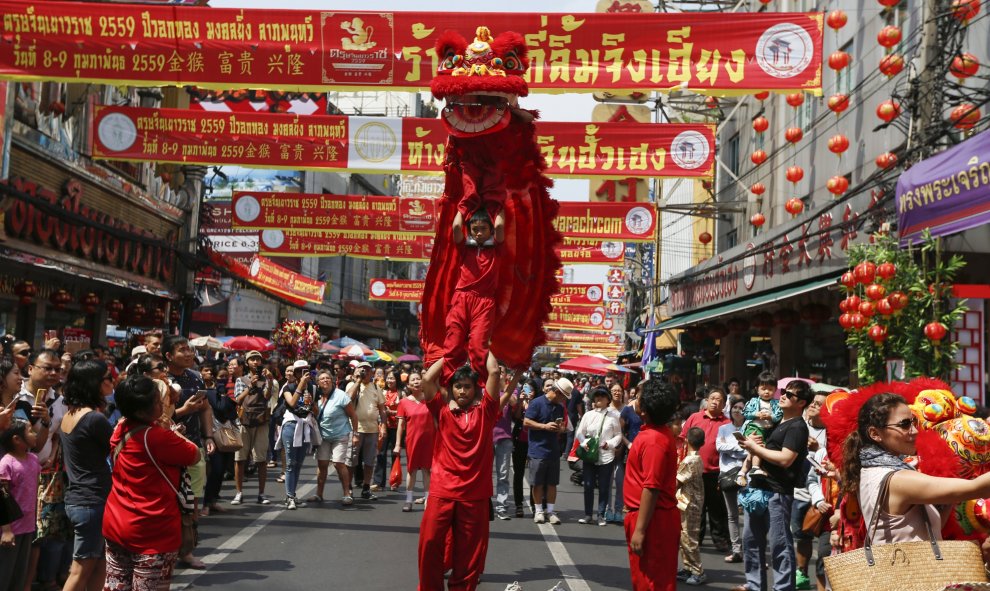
column 575, row 338
column 590, row 252
column 273, row 278
column 582, row 318
column 413, row 145
column 396, row 290
column 399, row 247
column 578, row 294
column 150, row 45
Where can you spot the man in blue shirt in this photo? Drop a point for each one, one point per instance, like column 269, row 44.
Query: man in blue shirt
column 545, row 420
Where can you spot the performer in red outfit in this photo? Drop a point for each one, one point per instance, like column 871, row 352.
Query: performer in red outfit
column 653, row 523
column 461, row 483
column 472, row 309
column 493, row 166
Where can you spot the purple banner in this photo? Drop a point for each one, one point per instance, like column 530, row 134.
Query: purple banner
column 947, row 193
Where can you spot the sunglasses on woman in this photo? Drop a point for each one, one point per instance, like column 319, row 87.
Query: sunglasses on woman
column 905, row 425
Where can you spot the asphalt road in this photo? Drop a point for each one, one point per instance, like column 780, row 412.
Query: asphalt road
column 372, row 546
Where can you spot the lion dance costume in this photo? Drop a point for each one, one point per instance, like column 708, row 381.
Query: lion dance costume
column 951, row 442
column 494, row 165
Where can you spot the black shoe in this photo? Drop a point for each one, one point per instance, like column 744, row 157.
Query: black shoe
column 368, row 495
column 733, row 558
column 683, row 574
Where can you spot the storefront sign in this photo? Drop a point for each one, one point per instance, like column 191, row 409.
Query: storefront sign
column 812, row 246
column 330, row 142
column 247, row 310
column 574, row 338
column 140, row 252
column 366, row 214
column 218, row 229
column 310, row 50
column 578, row 294
column 398, row 247
column 630, row 222
column 947, row 193
column 581, row 318
column 395, row 290
column 591, row 252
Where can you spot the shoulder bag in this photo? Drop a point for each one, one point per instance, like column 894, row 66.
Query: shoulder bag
column 591, row 453
column 904, row 566
column 10, row 511
column 226, row 437
column 187, row 503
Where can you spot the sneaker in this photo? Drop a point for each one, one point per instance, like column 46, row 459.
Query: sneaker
column 501, row 514
column 347, row 501
column 553, row 519
column 699, row 579
column 519, row 512
column 406, row 507
column 683, row 574
column 237, row 500
column 514, row 586
column 801, row 581
column 262, row 500
column 734, row 557
column 539, row 517
column 586, row 520
column 559, row 587
column 368, row 495
column 375, row 488
column 290, row 504
column 602, row 522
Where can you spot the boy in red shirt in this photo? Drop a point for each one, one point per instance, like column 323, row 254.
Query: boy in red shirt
column 653, row 523
column 461, row 476
column 471, row 317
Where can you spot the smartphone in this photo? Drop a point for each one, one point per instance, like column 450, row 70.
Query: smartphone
column 739, row 436
column 814, row 464
column 39, row 396
column 199, row 395
column 559, row 422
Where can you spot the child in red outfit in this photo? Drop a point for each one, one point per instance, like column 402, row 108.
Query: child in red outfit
column 461, row 476
column 471, row 317
column 653, row 522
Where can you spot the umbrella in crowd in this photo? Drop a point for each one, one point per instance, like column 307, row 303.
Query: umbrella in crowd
column 206, row 343
column 247, row 343
column 381, row 356
column 354, row 351
column 407, row 358
column 345, row 344
column 595, row 364
column 329, row 347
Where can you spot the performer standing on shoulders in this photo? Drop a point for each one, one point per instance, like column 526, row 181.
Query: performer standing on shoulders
column 461, row 476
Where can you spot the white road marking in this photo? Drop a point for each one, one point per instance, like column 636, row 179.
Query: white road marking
column 572, row 577
column 189, row 576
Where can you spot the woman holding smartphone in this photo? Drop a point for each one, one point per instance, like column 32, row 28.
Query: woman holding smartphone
column 299, row 430
column 730, row 460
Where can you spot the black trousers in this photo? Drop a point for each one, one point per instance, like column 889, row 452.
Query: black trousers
column 519, row 450
column 714, row 514
column 382, row 466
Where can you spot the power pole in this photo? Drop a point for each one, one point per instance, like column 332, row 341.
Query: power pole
column 927, row 89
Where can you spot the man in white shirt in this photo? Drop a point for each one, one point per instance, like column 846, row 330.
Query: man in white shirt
column 369, row 403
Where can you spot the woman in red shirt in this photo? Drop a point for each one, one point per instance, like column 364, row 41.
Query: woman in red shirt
column 393, row 394
column 417, row 425
column 142, row 522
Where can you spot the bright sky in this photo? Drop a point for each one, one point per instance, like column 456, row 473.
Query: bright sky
column 556, row 107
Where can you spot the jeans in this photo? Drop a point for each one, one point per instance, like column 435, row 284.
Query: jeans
column 503, row 458
column 772, row 528
column 519, row 451
column 216, row 465
column 294, row 459
column 732, row 505
column 599, row 476
column 382, row 465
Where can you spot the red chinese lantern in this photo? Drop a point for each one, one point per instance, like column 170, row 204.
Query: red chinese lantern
column 858, row 320
column 889, row 36
column 794, row 206
column 794, row 173
column 886, row 270
column 761, row 321
column 965, row 116
column 889, row 3
column 877, row 333
column 758, row 157
column 836, row 19
column 158, row 315
column 853, row 302
column 965, row 10
column 965, row 65
column 174, row 316
column 26, row 290
column 758, row 220
column 875, row 291
column 845, row 321
column 90, row 303
column 838, row 60
column 886, row 160
column 838, row 103
column 760, row 124
column 704, row 238
column 795, row 99
column 711, row 102
column 60, row 299
column 793, row 134
column 935, row 331
column 891, row 65
column 762, row 96
column 137, row 313
column 838, row 144
column 848, row 280
column 884, row 307
column 898, row 300
column 867, row 309
column 888, row 110
column 786, row 317
column 758, row 189
column 844, row 305
column 717, row 330
column 837, row 185
column 865, row 272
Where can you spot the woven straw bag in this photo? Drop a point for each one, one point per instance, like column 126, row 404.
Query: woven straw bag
column 904, row 566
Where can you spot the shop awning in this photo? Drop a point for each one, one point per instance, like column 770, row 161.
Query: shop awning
column 742, row 304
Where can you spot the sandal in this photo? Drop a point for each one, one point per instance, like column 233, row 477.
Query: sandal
column 420, row 500
column 280, row 478
column 315, row 499
column 347, row 501
column 192, row 562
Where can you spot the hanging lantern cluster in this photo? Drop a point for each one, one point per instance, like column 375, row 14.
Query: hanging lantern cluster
column 838, row 103
column 114, row 309
column 964, row 10
column 90, row 303
column 26, row 290
column 869, row 303
column 891, row 64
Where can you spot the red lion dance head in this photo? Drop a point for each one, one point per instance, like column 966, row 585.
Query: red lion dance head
column 481, row 82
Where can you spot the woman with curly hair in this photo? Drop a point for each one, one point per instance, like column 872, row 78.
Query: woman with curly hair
column 877, row 450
